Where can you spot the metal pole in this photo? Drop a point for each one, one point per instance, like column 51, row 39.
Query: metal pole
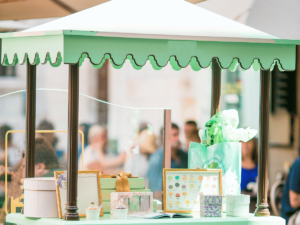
column 215, row 87
column 71, row 208
column 30, row 120
column 262, row 194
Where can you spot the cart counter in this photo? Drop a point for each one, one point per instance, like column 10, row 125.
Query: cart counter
column 20, row 219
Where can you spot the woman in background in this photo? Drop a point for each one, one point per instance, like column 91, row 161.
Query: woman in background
column 137, row 163
column 249, row 163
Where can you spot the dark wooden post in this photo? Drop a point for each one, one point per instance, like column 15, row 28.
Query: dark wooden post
column 71, row 208
column 263, row 147
column 298, row 92
column 30, row 120
column 215, row 87
column 167, row 144
column 167, row 139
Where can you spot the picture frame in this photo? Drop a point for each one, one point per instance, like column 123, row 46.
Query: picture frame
column 89, row 190
column 182, row 188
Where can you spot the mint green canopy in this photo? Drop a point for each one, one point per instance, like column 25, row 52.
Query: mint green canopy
column 160, row 31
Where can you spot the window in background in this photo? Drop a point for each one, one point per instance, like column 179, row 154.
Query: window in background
column 7, row 71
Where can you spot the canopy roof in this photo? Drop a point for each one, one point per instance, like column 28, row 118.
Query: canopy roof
column 141, row 30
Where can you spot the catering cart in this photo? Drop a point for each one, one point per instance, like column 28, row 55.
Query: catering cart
column 161, row 31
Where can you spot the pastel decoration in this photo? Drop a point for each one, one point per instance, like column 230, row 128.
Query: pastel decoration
column 192, row 178
column 200, row 178
column 183, row 186
column 170, row 203
column 210, row 205
column 177, row 177
column 191, row 185
column 170, row 186
column 214, row 186
column 177, row 195
column 184, row 177
column 201, row 193
column 170, row 193
column 196, row 201
column 208, row 177
column 177, row 185
column 215, row 179
column 187, row 202
column 169, row 177
column 184, row 193
column 206, row 185
column 237, row 205
column 177, row 203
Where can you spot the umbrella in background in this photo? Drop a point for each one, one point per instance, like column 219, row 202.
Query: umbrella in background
column 33, row 9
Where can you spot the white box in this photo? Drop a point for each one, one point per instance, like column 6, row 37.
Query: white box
column 40, row 197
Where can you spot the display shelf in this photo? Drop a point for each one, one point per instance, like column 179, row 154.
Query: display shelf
column 20, row 219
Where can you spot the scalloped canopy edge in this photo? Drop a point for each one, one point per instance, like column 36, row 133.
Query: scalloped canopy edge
column 57, row 49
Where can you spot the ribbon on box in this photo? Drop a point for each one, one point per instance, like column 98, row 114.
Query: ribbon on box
column 122, row 180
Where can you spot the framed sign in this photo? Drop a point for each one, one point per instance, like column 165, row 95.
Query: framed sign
column 183, row 187
column 89, row 190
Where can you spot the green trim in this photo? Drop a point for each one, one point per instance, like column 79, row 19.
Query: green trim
column 71, row 49
column 38, row 49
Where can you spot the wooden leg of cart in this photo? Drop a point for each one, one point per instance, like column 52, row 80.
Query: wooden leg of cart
column 30, row 121
column 215, row 87
column 71, row 209
column 167, row 144
column 263, row 146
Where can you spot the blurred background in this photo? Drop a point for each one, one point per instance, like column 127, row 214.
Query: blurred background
column 125, row 103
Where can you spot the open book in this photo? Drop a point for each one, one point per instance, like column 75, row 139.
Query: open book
column 153, row 215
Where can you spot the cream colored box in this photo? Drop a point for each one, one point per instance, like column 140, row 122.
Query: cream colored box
column 40, row 198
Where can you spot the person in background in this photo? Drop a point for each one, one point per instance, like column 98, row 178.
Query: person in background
column 190, row 128
column 14, row 154
column 290, row 200
column 84, row 127
column 50, row 137
column 137, row 163
column 195, row 137
column 179, row 159
column 249, row 163
column 97, row 156
column 46, row 161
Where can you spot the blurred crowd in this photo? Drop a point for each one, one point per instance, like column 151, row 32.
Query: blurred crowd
column 144, row 158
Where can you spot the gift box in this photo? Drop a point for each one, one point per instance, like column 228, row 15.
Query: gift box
column 210, row 205
column 237, row 205
column 106, row 193
column 38, row 193
column 106, row 207
column 111, row 183
column 134, row 201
